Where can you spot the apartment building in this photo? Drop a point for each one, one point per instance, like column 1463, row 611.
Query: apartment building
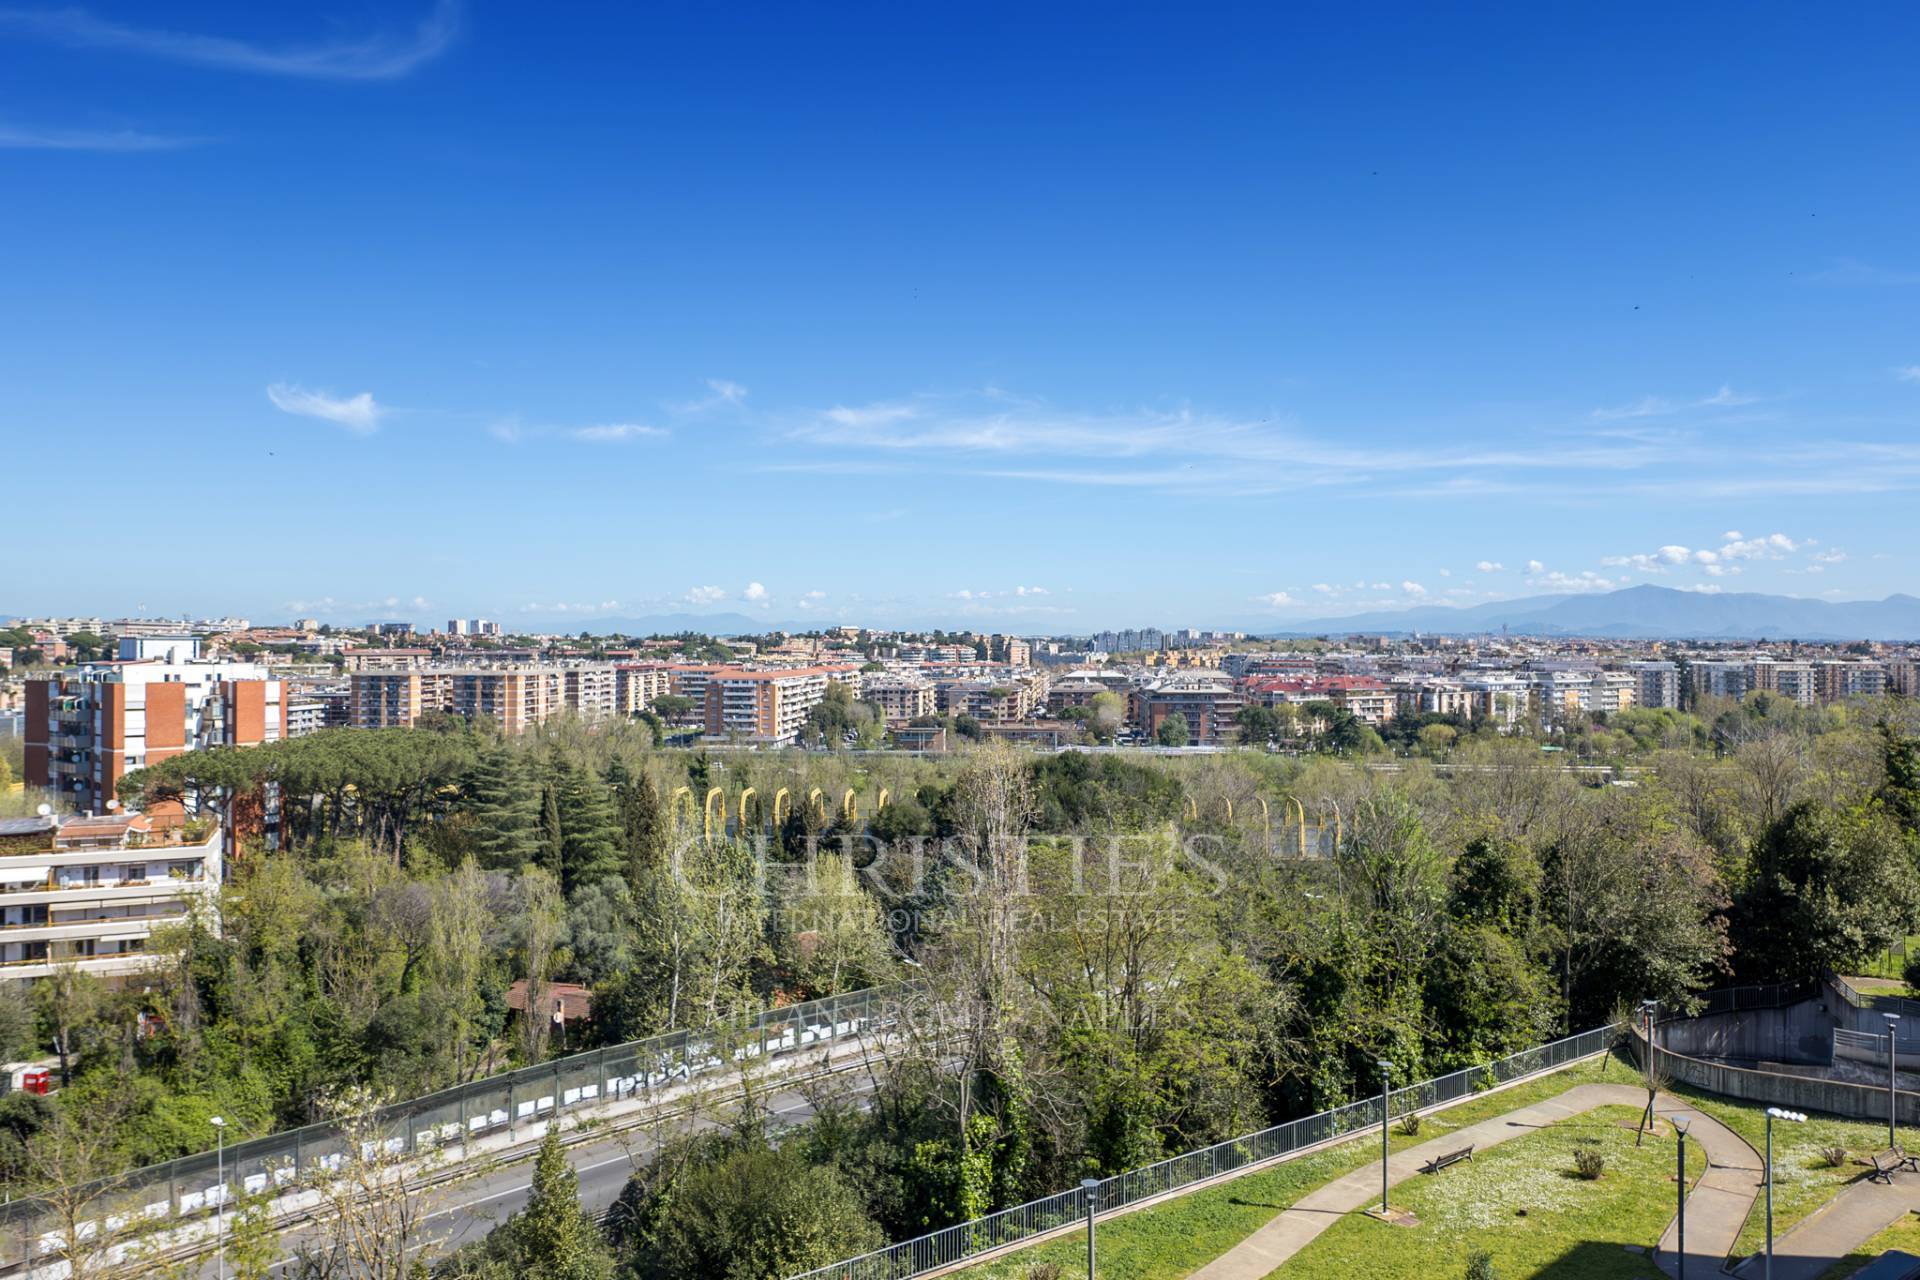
column 89, row 891
column 637, row 684
column 1721, row 679
column 1363, row 697
column 1838, row 681
column 768, row 707
column 901, row 695
column 397, row 699
column 1656, row 684
column 87, row 728
column 1207, row 700
column 1793, row 681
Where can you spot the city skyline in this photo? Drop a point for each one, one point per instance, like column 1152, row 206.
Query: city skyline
column 991, row 320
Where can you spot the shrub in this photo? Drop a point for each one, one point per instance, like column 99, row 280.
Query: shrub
column 1480, row 1266
column 1589, row 1163
column 1834, row 1156
column 1045, row 1271
column 1410, row 1123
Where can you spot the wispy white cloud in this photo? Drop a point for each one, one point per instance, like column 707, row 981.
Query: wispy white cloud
column 21, row 138
column 616, row 433
column 377, row 56
column 1851, row 271
column 1277, row 600
column 704, row 595
column 754, row 593
column 1584, row 581
column 358, row 414
column 1489, row 566
column 1660, row 406
column 1908, row 373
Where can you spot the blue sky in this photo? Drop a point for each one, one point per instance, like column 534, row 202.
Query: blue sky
column 1034, row 317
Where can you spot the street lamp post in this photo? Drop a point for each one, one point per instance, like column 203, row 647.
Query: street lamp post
column 1893, row 1088
column 1091, row 1188
column 1774, row 1113
column 1680, row 1167
column 1647, row 1010
column 220, row 1190
column 1386, row 1109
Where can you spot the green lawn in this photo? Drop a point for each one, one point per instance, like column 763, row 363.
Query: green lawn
column 1523, row 1203
column 1802, row 1179
column 1904, row 1234
column 1887, row 966
column 1175, row 1238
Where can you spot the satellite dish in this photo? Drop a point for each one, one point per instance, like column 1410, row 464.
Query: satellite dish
column 45, row 811
column 112, row 805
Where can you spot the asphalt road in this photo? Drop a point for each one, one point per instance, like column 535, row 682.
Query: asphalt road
column 465, row 1210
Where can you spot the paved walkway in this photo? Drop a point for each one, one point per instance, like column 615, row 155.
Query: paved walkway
column 1839, row 1227
column 1718, row 1205
column 1714, row 1224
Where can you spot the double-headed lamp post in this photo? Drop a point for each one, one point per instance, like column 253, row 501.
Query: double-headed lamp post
column 1893, row 1087
column 1680, row 1124
column 1774, row 1113
column 220, row 1190
column 1090, row 1190
column 1386, row 1110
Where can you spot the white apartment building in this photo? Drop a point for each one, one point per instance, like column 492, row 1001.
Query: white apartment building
column 90, row 891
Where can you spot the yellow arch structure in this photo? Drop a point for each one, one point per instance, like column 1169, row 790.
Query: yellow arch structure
column 778, row 796
column 881, row 803
column 817, row 802
column 745, row 796
column 1193, row 810
column 673, row 804
column 1266, row 820
column 1336, row 825
column 715, row 800
column 849, row 807
column 1300, row 811
column 1228, row 801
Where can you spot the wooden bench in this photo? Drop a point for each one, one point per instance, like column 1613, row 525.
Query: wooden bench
column 1438, row 1163
column 1887, row 1163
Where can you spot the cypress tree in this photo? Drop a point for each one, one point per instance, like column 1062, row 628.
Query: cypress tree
column 500, row 799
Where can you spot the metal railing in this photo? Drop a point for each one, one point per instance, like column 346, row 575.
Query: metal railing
column 967, row 1240
column 450, row 1118
column 1777, row 995
column 1902, row 1005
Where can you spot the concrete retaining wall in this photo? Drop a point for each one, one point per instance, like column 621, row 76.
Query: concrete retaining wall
column 1801, row 1033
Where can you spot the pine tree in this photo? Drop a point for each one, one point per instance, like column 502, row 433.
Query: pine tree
column 589, row 829
column 500, row 799
column 552, row 1237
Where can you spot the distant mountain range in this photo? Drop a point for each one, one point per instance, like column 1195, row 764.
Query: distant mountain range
column 1647, row 612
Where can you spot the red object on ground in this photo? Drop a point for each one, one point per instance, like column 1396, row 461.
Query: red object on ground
column 35, row 1080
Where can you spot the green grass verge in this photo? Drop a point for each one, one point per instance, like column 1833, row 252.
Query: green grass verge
column 1523, row 1203
column 1175, row 1238
column 1802, row 1178
column 1904, row 1234
column 1887, row 965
